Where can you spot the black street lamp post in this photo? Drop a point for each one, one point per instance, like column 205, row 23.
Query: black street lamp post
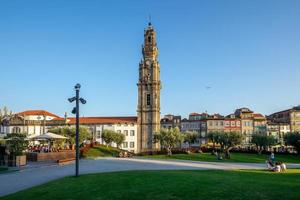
column 76, row 111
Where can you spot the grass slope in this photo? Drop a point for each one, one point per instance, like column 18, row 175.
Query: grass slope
column 235, row 157
column 151, row 185
column 102, row 151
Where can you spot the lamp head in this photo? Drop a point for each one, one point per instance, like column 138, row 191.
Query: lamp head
column 71, row 99
column 77, row 86
column 82, row 100
column 74, row 110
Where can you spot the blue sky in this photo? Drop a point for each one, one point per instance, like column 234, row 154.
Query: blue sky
column 246, row 51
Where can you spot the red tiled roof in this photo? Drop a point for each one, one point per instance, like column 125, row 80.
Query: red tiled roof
column 258, row 115
column 198, row 114
column 36, row 112
column 99, row 120
column 194, row 114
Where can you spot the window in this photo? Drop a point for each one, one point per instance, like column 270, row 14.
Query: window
column 126, row 132
column 125, row 144
column 132, row 133
column 148, row 100
column 98, row 134
column 126, row 124
column 149, row 38
column 118, row 131
column 131, row 144
column 16, row 129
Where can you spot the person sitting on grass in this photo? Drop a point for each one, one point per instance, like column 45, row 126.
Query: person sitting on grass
column 277, row 167
column 283, row 166
column 270, row 165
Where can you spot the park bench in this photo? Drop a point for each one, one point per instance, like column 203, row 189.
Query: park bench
column 66, row 161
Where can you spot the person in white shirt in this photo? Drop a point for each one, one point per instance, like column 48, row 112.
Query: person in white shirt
column 283, row 167
column 277, row 167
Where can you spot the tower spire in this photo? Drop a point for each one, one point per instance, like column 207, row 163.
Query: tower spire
column 149, row 23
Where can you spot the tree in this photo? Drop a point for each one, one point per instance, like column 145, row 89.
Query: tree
column 108, row 136
column 190, row 137
column 228, row 140
column 70, row 133
column 118, row 138
column 293, row 139
column 16, row 143
column 271, row 141
column 169, row 138
column 262, row 141
column 214, row 138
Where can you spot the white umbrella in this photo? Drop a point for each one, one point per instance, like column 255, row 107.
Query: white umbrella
column 48, row 136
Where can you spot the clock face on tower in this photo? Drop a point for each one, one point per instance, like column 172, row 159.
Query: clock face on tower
column 148, row 62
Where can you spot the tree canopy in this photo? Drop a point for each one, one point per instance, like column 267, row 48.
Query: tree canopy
column 70, row 133
column 110, row 136
column 262, row 141
column 227, row 140
column 190, row 137
column 16, row 143
column 293, row 139
column 169, row 138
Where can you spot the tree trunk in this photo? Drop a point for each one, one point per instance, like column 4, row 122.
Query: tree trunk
column 169, row 152
column 227, row 152
column 298, row 150
column 214, row 149
column 260, row 149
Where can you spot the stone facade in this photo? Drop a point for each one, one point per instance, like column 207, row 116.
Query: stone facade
column 149, row 87
column 246, row 116
column 171, row 121
column 290, row 116
column 278, row 130
column 259, row 124
column 232, row 124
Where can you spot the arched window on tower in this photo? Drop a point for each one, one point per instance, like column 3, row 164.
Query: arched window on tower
column 149, row 38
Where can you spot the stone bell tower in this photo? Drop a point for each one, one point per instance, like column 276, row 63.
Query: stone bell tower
column 149, row 86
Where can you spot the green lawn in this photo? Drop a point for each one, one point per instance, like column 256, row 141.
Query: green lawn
column 164, row 185
column 235, row 157
column 102, row 151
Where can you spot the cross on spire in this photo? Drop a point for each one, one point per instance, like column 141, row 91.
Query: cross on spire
column 149, row 24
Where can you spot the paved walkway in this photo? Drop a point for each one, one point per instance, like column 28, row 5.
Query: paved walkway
column 39, row 174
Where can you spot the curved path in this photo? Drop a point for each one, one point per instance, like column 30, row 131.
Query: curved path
column 34, row 174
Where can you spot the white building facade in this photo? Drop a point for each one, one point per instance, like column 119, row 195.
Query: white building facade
column 38, row 122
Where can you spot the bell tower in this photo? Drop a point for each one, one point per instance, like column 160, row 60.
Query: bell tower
column 149, row 87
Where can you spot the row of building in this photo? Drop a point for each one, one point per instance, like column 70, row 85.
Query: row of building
column 38, row 122
column 244, row 120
